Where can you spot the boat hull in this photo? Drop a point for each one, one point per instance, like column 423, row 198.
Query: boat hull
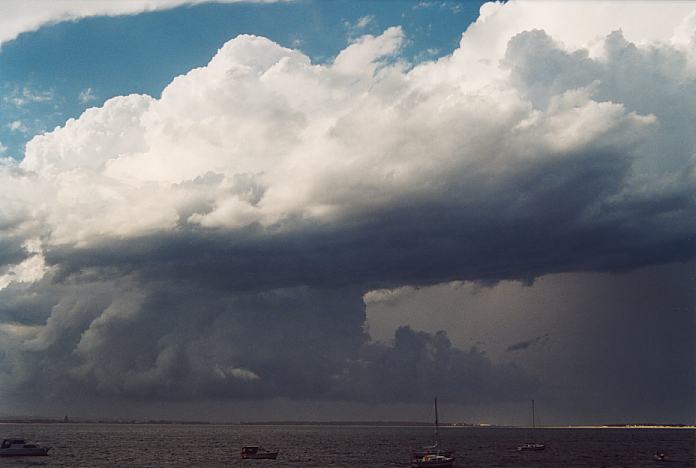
column 260, row 456
column 422, row 453
column 433, row 463
column 24, row 452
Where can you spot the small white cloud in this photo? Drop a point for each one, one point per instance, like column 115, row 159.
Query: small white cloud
column 235, row 373
column 17, row 126
column 365, row 21
column 420, row 5
column 87, row 95
column 3, row 148
column 37, row 96
column 358, row 28
column 455, row 8
column 26, row 95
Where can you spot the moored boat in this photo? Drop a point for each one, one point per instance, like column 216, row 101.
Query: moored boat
column 433, row 456
column 431, row 451
column 254, row 452
column 22, row 448
column 532, row 446
column 432, row 460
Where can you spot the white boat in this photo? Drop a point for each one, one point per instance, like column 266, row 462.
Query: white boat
column 22, row 448
column 531, row 446
column 254, row 452
column 433, row 456
column 432, row 460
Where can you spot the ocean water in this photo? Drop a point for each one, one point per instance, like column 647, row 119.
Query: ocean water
column 93, row 445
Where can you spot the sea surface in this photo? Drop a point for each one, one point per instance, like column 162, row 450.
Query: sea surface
column 93, row 445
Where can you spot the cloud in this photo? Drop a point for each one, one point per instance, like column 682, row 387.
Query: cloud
column 3, row 148
column 387, row 296
column 525, row 345
column 356, row 30
column 363, row 56
column 233, row 227
column 365, row 21
column 418, row 364
column 423, row 5
column 21, row 97
column 297, row 343
column 31, row 269
column 590, row 338
column 453, row 7
column 17, row 126
column 19, row 16
column 86, row 95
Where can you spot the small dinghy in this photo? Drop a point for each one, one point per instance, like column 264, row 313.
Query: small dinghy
column 22, row 448
column 254, row 452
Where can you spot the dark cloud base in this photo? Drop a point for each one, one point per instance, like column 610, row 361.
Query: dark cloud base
column 178, row 342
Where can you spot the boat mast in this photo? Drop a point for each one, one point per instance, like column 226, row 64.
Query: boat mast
column 437, row 436
column 533, row 420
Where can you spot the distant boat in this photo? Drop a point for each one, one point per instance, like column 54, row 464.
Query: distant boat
column 661, row 456
column 22, row 448
column 254, row 452
column 532, row 446
column 433, row 456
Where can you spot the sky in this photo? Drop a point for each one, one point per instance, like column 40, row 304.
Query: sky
column 308, row 210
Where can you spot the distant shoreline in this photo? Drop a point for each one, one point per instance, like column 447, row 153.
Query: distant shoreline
column 334, row 423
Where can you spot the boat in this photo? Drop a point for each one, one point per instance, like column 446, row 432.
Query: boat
column 22, row 448
column 432, row 460
column 433, row 455
column 661, row 456
column 525, row 447
column 531, row 446
column 254, row 452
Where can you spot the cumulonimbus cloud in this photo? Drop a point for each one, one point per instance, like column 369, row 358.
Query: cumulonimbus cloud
column 263, row 196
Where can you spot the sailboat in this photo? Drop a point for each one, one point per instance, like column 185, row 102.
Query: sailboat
column 532, row 446
column 433, row 456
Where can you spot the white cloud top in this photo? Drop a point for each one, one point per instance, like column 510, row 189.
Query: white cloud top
column 260, row 134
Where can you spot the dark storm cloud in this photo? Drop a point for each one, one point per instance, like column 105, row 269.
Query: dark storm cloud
column 414, row 245
column 295, row 343
column 419, row 363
